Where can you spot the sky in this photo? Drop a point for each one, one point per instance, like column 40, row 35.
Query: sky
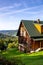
column 13, row 11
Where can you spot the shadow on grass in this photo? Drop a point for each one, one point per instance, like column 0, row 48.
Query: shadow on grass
column 23, row 60
column 12, row 61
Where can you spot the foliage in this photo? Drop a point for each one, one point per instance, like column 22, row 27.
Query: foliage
column 3, row 45
column 11, row 45
column 8, row 42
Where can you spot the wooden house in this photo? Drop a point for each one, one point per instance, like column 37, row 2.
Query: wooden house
column 30, row 35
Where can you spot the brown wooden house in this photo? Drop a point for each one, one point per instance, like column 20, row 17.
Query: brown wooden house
column 30, row 35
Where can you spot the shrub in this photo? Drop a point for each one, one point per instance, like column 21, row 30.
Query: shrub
column 11, row 45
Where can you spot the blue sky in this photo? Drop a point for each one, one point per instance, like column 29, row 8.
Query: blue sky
column 13, row 11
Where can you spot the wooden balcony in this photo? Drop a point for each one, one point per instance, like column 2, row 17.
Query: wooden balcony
column 22, row 40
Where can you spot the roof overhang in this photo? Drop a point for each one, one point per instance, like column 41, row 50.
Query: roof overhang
column 38, row 39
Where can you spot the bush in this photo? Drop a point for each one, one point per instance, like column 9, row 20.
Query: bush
column 11, row 45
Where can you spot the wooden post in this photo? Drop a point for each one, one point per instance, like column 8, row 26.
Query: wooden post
column 40, row 44
column 34, row 45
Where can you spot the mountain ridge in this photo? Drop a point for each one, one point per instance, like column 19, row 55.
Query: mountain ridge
column 9, row 32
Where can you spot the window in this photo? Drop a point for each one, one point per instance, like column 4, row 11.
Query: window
column 24, row 33
column 21, row 32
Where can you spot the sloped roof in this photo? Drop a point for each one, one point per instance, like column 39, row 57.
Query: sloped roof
column 32, row 30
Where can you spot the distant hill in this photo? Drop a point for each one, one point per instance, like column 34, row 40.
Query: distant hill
column 3, row 35
column 9, row 32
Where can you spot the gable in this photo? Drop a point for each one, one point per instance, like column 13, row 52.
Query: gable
column 22, row 30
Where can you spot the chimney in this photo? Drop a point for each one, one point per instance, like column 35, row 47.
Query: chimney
column 38, row 20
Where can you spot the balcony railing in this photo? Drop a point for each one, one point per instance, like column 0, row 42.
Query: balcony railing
column 22, row 40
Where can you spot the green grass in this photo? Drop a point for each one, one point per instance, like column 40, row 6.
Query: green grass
column 26, row 58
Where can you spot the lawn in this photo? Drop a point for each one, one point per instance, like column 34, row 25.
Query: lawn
column 26, row 58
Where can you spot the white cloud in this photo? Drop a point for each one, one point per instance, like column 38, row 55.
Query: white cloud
column 28, row 12
column 25, row 10
column 9, row 7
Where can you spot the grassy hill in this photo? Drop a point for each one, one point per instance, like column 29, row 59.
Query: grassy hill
column 13, row 54
column 26, row 58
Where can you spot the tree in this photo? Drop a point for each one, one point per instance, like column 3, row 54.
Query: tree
column 3, row 45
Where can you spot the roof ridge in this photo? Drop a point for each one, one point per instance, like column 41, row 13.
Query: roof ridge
column 27, row 20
